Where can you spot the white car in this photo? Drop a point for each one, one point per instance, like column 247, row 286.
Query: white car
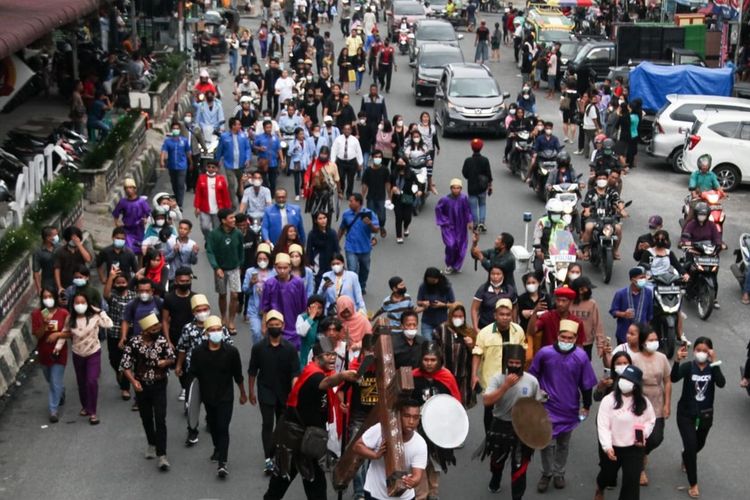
column 725, row 136
column 676, row 117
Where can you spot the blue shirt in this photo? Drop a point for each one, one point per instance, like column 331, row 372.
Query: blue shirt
column 347, row 284
column 542, row 143
column 642, row 304
column 358, row 234
column 300, row 155
column 213, row 117
column 288, row 124
column 272, row 145
column 329, row 138
column 178, row 150
column 225, row 150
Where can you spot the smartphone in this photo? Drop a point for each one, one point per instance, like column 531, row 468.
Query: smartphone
column 607, row 373
column 639, row 438
column 116, row 264
column 326, row 279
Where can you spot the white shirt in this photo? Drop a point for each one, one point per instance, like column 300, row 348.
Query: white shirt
column 284, row 87
column 255, row 204
column 213, row 207
column 588, row 117
column 284, row 217
column 346, row 149
column 415, row 452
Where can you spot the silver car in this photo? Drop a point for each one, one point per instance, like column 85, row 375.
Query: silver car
column 676, row 117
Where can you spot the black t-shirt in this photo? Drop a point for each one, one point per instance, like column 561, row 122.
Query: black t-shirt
column 126, row 258
column 375, row 179
column 215, row 371
column 483, row 33
column 526, row 302
column 312, row 403
column 364, row 394
column 698, row 387
column 405, row 354
column 274, row 367
column 180, row 313
column 425, row 388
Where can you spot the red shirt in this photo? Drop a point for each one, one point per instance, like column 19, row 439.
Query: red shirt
column 201, row 193
column 549, row 324
column 202, row 87
column 56, row 323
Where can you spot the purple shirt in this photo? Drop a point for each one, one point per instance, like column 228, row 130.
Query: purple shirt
column 133, row 212
column 289, row 298
column 563, row 376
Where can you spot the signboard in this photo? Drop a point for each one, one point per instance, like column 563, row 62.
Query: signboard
column 13, row 76
column 38, row 172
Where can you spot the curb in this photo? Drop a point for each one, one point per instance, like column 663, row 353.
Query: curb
column 15, row 351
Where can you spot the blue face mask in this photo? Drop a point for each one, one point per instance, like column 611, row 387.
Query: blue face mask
column 118, row 243
column 79, row 282
column 640, row 283
column 215, row 337
column 566, row 346
column 56, row 239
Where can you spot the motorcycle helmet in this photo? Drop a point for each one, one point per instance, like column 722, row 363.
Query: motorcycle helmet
column 159, row 212
column 599, row 139
column 701, row 211
column 704, row 161
column 608, row 145
column 245, row 99
column 563, row 159
column 554, row 206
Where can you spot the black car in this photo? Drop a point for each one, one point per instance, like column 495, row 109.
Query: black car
column 468, row 99
column 431, row 60
column 432, row 31
column 597, row 56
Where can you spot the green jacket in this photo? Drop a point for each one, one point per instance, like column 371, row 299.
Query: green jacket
column 225, row 250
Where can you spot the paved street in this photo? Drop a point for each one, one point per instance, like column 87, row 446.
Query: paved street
column 75, row 460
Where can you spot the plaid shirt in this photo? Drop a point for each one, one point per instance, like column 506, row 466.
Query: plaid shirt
column 192, row 336
column 142, row 359
column 117, row 305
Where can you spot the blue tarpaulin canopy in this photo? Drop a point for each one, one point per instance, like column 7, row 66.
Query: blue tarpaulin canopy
column 653, row 82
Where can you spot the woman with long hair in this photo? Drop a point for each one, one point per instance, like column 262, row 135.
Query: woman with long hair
column 288, row 237
column 435, row 297
column 625, row 420
column 399, row 134
column 322, row 245
column 154, row 269
column 359, row 65
column 636, row 113
column 456, row 339
column 384, row 142
column 301, row 269
column 534, row 300
column 344, row 64
column 403, row 197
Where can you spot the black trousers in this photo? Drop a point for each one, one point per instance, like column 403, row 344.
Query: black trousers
column 152, row 406
column 270, row 415
column 693, row 433
column 273, row 103
column 630, row 459
column 487, row 418
column 347, row 171
column 314, row 490
column 509, row 446
column 115, row 355
column 345, row 26
column 656, row 437
column 385, row 72
column 403, row 214
column 192, row 174
column 218, row 417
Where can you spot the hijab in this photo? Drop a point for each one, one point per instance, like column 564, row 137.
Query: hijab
column 357, row 325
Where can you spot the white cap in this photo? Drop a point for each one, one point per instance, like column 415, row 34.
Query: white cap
column 245, row 98
column 204, row 73
column 327, row 118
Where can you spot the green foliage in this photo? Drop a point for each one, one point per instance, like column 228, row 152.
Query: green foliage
column 15, row 242
column 169, row 66
column 106, row 149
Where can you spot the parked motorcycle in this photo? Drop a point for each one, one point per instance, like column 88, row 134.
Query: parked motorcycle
column 546, row 161
column 702, row 262
column 742, row 260
column 520, row 155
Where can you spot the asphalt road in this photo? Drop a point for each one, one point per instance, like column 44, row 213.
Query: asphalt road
column 74, row 460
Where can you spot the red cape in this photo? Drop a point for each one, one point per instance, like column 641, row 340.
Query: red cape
column 444, row 376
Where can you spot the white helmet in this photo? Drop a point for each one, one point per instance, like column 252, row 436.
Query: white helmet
column 203, row 73
column 245, row 98
column 554, row 206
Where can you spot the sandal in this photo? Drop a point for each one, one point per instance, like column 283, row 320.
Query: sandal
column 125, row 395
column 373, row 241
column 93, row 420
column 694, row 492
column 83, row 413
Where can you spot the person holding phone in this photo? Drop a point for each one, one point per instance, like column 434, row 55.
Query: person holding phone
column 695, row 409
column 626, row 419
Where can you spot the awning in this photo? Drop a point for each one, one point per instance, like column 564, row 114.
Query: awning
column 24, row 21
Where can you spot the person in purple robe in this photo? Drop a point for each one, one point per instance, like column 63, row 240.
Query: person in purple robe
column 286, row 294
column 453, row 216
column 134, row 211
column 566, row 375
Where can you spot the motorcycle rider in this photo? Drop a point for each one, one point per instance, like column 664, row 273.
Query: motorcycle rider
column 701, row 229
column 701, row 180
column 544, row 229
column 246, row 114
column 517, row 124
column 564, row 173
column 613, row 206
column 543, row 142
column 527, row 100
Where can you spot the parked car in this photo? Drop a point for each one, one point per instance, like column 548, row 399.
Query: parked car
column 597, row 55
column 725, row 135
column 431, row 60
column 411, row 10
column 435, row 31
column 468, row 98
column 676, row 117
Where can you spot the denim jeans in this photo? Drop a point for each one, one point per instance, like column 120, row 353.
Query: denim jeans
column 378, row 206
column 426, row 331
column 177, row 179
column 233, row 62
column 478, row 207
column 359, row 263
column 359, row 75
column 54, row 375
column 746, row 288
column 482, row 53
column 254, row 315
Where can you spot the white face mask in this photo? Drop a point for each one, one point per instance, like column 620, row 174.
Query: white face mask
column 188, row 119
column 626, row 386
column 410, row 334
column 337, row 268
column 159, row 222
column 257, row 182
column 458, row 322
column 652, row 345
column 215, row 337
column 574, row 276
column 262, row 264
column 81, row 308
column 202, row 316
column 701, row 357
column 601, row 183
column 532, row 287
column 49, row 303
column 620, row 368
column 145, row 297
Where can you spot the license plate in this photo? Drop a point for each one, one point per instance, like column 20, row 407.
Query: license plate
column 668, row 289
column 707, row 261
column 563, row 258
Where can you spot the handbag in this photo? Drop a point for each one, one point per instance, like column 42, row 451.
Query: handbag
column 351, row 75
column 565, row 103
column 407, row 199
column 314, row 443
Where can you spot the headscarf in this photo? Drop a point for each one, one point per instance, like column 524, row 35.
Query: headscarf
column 357, row 326
column 464, row 330
column 154, row 273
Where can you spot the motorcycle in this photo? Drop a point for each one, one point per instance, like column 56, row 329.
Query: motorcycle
column 404, row 39
column 568, row 193
column 702, row 262
column 520, row 155
column 603, row 238
column 418, row 165
column 562, row 253
column 742, row 260
column 667, row 304
column 546, row 161
column 716, row 210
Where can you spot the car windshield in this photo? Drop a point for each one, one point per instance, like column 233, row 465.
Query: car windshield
column 408, row 9
column 437, row 32
column 474, row 87
column 554, row 35
column 439, row 59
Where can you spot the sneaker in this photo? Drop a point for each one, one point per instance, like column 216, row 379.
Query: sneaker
column 296, row 198
column 53, row 418
column 559, row 482
column 406, row 233
column 579, row 152
column 482, row 228
column 448, row 270
column 716, row 304
column 399, row 240
column 268, row 467
column 214, row 456
column 543, row 484
column 494, row 485
column 192, row 438
column 150, row 452
column 163, row 463
column 222, row 471
column 181, row 397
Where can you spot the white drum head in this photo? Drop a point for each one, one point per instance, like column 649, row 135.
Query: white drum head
column 444, row 421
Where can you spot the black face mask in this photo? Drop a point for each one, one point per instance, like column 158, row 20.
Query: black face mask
column 401, row 291
column 515, row 370
column 274, row 332
column 586, row 296
column 121, row 289
column 183, row 287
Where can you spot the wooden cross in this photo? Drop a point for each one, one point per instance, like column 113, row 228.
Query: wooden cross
column 392, row 386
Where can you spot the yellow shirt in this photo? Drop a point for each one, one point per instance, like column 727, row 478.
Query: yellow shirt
column 353, row 43
column 489, row 345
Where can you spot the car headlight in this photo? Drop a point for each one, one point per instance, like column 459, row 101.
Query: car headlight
column 497, row 109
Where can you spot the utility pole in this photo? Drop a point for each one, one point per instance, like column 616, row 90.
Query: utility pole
column 739, row 34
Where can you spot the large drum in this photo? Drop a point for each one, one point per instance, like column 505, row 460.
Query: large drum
column 444, row 421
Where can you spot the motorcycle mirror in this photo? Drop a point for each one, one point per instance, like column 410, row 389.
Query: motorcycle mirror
column 628, row 203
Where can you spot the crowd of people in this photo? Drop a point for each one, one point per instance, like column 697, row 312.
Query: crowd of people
column 296, row 288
